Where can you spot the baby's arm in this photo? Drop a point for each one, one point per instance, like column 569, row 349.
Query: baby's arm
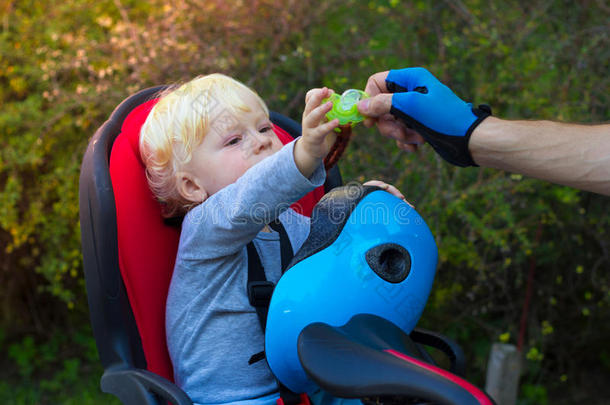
column 318, row 135
column 230, row 218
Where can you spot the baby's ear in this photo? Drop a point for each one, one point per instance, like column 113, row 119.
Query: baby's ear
column 190, row 189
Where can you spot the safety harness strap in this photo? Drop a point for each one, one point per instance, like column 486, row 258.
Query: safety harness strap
column 259, row 289
column 285, row 246
column 259, row 294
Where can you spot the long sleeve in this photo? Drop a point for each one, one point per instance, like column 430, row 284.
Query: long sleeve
column 232, row 217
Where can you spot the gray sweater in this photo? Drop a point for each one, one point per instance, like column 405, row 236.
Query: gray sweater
column 212, row 330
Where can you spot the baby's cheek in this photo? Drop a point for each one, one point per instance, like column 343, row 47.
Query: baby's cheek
column 239, row 167
column 277, row 145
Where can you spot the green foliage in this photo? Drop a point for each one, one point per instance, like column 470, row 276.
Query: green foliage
column 65, row 65
column 61, row 369
column 534, row 395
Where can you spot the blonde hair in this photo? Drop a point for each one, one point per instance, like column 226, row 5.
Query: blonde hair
column 177, row 124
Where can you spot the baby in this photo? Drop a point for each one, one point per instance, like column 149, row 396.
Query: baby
column 211, row 155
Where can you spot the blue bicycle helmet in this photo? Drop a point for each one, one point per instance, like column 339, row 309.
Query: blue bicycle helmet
column 368, row 252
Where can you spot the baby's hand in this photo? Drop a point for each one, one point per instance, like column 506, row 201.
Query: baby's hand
column 389, row 188
column 317, row 135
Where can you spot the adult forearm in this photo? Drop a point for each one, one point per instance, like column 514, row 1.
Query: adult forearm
column 572, row 155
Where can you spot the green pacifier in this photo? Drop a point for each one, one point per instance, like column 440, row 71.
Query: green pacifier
column 345, row 107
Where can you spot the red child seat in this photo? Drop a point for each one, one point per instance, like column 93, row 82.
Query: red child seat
column 129, row 253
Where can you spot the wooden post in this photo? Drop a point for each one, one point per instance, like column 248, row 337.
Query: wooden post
column 503, row 372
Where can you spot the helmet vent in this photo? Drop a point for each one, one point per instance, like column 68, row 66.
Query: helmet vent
column 390, row 261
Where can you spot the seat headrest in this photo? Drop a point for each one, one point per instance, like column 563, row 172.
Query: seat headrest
column 133, row 123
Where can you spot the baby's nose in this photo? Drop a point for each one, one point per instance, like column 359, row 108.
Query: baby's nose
column 259, row 141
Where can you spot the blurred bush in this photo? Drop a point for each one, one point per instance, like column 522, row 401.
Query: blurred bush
column 65, row 65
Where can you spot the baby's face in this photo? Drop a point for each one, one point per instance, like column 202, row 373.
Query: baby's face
column 234, row 143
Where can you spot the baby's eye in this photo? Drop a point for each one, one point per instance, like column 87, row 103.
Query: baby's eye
column 233, row 141
column 266, row 129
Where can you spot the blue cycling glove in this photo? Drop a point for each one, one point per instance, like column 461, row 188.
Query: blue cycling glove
column 445, row 121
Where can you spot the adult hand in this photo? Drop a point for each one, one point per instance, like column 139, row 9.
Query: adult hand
column 389, row 188
column 425, row 108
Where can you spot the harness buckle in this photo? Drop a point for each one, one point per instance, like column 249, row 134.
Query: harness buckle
column 259, row 293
